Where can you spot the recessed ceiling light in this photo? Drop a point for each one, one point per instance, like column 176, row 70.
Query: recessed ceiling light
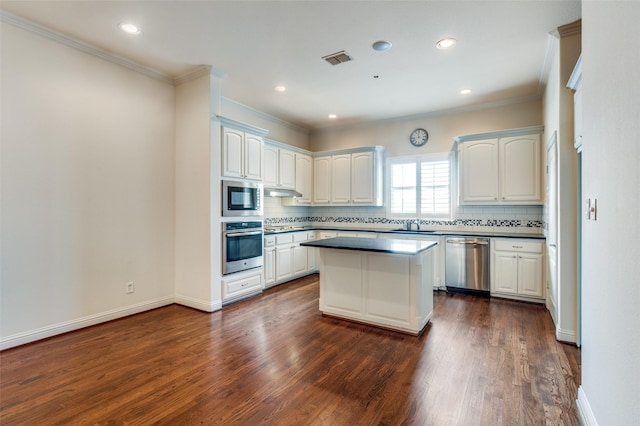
column 332, row 116
column 129, row 28
column 381, row 45
column 280, row 88
column 446, row 43
column 465, row 91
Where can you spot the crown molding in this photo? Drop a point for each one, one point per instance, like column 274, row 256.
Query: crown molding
column 266, row 116
column 43, row 31
column 570, row 29
column 238, row 125
column 194, row 73
column 549, row 54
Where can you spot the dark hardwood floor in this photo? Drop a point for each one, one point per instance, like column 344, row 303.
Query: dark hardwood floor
column 275, row 360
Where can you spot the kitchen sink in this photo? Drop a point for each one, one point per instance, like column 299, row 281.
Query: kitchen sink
column 413, row 231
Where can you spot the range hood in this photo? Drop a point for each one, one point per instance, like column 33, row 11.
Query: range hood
column 280, row 192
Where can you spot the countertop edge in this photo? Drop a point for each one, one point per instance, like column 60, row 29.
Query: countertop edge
column 414, row 233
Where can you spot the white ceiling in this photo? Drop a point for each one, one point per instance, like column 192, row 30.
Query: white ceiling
column 259, row 44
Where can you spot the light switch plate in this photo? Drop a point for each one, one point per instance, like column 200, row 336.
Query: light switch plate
column 592, row 209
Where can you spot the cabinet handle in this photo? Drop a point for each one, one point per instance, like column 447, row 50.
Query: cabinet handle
column 244, row 285
column 517, row 247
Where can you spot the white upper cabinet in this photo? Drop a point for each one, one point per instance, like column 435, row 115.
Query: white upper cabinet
column 349, row 177
column 279, row 167
column 500, row 167
column 242, row 151
column 270, row 165
column 363, row 184
column 303, row 180
column 341, row 179
column 322, row 180
column 479, row 171
column 520, row 168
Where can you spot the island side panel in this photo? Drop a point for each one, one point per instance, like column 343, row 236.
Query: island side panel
column 422, row 272
column 341, row 282
column 388, row 289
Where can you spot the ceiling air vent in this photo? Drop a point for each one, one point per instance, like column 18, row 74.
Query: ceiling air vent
column 337, row 58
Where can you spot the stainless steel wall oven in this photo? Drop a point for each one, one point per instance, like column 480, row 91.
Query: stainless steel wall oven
column 241, row 246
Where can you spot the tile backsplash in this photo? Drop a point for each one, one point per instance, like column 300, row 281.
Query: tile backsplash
column 518, row 219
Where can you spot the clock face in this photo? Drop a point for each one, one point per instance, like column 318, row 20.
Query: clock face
column 419, row 137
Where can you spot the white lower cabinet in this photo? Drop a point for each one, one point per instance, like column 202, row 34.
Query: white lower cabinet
column 284, row 263
column 240, row 285
column 269, row 266
column 299, row 260
column 517, row 268
column 285, row 259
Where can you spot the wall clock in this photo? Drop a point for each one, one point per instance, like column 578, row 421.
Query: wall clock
column 419, row 137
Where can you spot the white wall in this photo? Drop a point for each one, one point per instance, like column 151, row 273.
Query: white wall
column 442, row 128
column 193, row 191
column 558, row 120
column 611, row 158
column 87, row 188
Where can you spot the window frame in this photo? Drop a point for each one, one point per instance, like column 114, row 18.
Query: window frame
column 418, row 160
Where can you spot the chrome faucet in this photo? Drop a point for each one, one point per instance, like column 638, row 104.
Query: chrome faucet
column 408, row 223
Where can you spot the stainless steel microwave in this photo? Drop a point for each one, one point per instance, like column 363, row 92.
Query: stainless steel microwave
column 241, row 198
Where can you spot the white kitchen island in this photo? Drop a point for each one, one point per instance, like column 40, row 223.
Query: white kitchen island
column 382, row 282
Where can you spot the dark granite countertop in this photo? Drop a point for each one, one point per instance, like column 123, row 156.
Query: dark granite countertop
column 425, row 233
column 380, row 245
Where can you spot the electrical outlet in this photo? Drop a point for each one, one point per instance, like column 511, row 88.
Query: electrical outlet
column 130, row 287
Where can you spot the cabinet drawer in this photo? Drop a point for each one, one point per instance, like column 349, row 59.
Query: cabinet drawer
column 299, row 237
column 270, row 241
column 284, row 239
column 246, row 284
column 518, row 245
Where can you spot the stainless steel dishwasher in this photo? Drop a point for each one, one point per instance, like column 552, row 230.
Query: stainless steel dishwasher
column 467, row 265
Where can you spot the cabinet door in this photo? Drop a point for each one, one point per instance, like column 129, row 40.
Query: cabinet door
column 286, row 169
column 270, row 165
column 253, row 160
column 479, row 168
column 284, row 263
column 304, row 178
column 232, row 153
column 299, row 260
column 505, row 272
column 269, row 266
column 520, row 168
column 362, row 178
column 341, row 179
column 530, row 274
column 322, row 180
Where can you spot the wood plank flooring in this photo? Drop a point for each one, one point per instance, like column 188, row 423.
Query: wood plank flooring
column 276, row 360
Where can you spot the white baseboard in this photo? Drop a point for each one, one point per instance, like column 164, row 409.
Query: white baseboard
column 584, row 409
column 64, row 327
column 568, row 336
column 201, row 305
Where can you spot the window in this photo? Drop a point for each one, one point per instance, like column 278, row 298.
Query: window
column 419, row 187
